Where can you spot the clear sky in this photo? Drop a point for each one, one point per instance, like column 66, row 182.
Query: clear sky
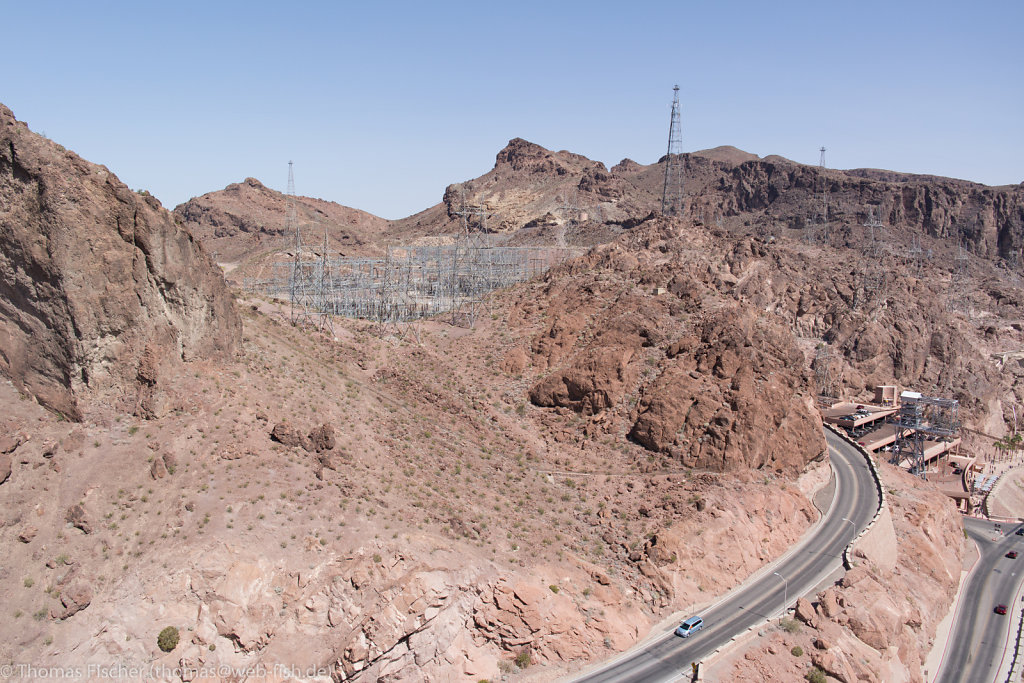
column 381, row 105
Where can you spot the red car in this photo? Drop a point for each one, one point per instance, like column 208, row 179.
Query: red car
column 1000, row 609
column 1012, row 554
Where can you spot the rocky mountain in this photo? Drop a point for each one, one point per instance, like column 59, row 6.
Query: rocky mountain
column 100, row 290
column 249, row 218
column 689, row 369
column 626, row 437
column 530, row 186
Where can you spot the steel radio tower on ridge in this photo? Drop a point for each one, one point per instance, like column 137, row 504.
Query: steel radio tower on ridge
column 672, row 194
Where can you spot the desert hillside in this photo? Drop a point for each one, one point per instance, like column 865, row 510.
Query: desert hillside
column 248, row 218
column 624, row 437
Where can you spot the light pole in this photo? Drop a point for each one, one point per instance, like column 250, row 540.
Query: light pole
column 785, row 592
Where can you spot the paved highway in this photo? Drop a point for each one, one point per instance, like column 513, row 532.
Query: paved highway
column 815, row 558
column 979, row 636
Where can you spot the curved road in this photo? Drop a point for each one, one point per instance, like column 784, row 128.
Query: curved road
column 804, row 568
column 979, row 637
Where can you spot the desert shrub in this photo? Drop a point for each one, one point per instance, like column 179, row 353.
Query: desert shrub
column 554, row 589
column 816, row 675
column 168, row 639
column 797, row 651
column 790, row 625
column 523, row 659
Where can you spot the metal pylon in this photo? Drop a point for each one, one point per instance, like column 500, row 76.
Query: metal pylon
column 823, row 374
column 672, row 192
column 325, row 301
column 300, row 285
column 872, row 273
column 811, row 234
column 958, row 299
column 570, row 216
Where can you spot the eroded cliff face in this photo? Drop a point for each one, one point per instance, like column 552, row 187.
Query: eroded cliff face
column 99, row 288
column 647, row 335
column 531, row 187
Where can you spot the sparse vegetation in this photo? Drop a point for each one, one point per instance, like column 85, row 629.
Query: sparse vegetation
column 797, row 651
column 167, row 640
column 816, row 675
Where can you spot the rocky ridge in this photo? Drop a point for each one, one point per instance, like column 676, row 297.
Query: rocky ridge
column 100, row 290
column 247, row 219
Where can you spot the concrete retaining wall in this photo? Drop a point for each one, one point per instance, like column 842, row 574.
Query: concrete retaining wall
column 848, row 550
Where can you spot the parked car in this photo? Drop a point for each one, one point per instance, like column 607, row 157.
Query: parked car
column 689, row 627
column 1020, row 531
column 1012, row 554
column 1000, row 609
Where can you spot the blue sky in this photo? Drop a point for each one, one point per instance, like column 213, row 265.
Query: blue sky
column 381, row 105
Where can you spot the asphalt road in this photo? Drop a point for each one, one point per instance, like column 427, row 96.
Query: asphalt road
column 978, row 638
column 669, row 656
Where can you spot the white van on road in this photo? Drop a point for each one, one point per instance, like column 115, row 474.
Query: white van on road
column 689, row 627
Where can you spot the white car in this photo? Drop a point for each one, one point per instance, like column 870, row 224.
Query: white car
column 689, row 627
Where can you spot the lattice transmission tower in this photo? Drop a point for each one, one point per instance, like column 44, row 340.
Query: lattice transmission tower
column 872, row 274
column 571, row 214
column 958, row 299
column 301, row 283
column 823, row 375
column 921, row 419
column 324, row 295
column 672, row 193
column 820, row 231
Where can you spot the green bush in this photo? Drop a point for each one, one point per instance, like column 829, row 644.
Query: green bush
column 790, row 625
column 797, row 651
column 554, row 589
column 816, row 675
column 523, row 659
column 168, row 639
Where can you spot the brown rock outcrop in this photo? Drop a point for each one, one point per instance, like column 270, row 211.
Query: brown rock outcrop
column 158, row 470
column 77, row 517
column 91, row 274
column 287, row 435
column 322, row 438
column 804, row 610
column 73, row 600
column 736, row 395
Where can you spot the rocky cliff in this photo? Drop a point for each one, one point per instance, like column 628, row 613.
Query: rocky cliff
column 530, row 187
column 646, row 334
column 99, row 287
